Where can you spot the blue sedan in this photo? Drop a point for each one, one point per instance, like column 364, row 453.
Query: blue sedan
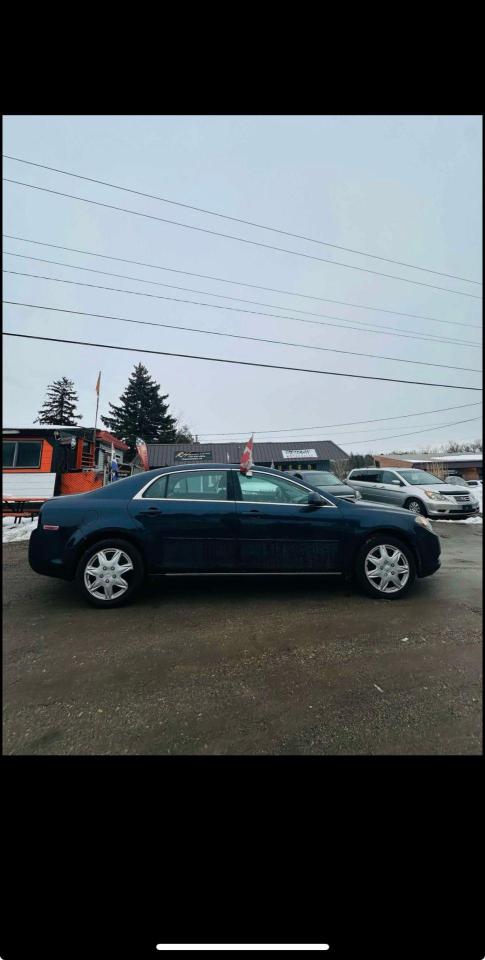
column 213, row 519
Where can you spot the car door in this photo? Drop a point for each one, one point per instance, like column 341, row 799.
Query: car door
column 366, row 482
column 279, row 531
column 189, row 521
column 391, row 489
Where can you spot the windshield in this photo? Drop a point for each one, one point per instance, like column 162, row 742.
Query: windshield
column 320, row 478
column 418, row 477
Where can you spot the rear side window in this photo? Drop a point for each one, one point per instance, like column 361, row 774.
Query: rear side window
column 203, row 485
column 157, row 489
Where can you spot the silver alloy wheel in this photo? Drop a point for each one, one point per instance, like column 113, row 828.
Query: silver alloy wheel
column 387, row 568
column 104, row 573
column 415, row 507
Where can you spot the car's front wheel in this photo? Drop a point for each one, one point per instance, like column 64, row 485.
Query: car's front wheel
column 385, row 567
column 415, row 506
column 109, row 573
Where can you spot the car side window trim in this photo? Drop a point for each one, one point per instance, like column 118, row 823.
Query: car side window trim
column 260, row 473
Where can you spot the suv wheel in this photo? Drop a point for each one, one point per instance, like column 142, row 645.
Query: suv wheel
column 109, row 573
column 415, row 506
column 385, row 567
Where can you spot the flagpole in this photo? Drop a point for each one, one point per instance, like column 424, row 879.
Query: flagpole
column 96, row 417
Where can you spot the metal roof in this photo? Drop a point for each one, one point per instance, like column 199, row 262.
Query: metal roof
column 163, row 454
column 462, row 458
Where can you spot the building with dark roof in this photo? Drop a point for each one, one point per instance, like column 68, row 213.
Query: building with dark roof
column 284, row 455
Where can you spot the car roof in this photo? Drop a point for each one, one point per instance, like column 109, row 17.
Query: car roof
column 203, row 465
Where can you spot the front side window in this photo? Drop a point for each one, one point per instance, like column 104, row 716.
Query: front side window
column 268, row 489
column 24, row 454
column 389, row 477
column 417, row 477
column 194, row 485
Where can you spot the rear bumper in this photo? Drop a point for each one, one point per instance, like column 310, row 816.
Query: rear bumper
column 45, row 555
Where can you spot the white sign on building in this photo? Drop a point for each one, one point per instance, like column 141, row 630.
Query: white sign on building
column 299, row 454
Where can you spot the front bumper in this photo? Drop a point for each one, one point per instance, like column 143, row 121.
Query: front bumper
column 452, row 510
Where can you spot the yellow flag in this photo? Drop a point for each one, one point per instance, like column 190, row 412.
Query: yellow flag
column 98, row 383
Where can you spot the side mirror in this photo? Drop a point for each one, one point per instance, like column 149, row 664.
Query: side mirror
column 315, row 500
column 398, row 483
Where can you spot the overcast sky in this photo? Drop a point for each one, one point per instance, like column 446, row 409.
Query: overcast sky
column 402, row 187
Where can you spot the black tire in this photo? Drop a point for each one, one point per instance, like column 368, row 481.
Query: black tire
column 133, row 577
column 360, row 567
column 416, row 506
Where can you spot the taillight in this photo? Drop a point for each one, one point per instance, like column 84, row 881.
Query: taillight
column 50, row 526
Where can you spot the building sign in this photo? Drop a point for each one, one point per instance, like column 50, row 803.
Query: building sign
column 193, row 456
column 299, row 454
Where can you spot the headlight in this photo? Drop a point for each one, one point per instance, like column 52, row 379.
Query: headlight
column 423, row 522
column 433, row 495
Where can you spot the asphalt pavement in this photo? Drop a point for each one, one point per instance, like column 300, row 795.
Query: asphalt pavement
column 247, row 665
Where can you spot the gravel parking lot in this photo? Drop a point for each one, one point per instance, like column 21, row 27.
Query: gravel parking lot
column 246, row 665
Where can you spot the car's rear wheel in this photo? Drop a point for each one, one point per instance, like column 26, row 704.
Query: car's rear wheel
column 385, row 567
column 109, row 573
column 415, row 506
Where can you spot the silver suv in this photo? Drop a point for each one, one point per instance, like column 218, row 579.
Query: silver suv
column 416, row 490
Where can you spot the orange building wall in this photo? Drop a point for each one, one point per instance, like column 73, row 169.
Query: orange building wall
column 45, row 458
column 80, row 482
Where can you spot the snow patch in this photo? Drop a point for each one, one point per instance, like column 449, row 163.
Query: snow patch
column 13, row 532
column 474, row 519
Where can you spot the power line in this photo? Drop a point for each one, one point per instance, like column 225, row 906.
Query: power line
column 437, row 426
column 249, row 223
column 228, row 236
column 238, row 336
column 239, row 283
column 172, row 286
column 346, row 423
column 243, row 363
column 258, row 313
column 431, row 426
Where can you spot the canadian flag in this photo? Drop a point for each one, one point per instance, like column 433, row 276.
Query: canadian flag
column 246, row 464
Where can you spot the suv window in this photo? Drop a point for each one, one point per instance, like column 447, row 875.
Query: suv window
column 370, row 476
column 197, row 485
column 268, row 489
column 388, row 476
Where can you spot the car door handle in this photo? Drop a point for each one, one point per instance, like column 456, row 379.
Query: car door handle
column 152, row 512
column 256, row 513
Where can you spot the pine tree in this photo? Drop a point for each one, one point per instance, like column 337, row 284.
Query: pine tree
column 142, row 412
column 183, row 434
column 60, row 404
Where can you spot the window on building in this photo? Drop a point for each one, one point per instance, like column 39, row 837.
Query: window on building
column 8, row 453
column 24, row 454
